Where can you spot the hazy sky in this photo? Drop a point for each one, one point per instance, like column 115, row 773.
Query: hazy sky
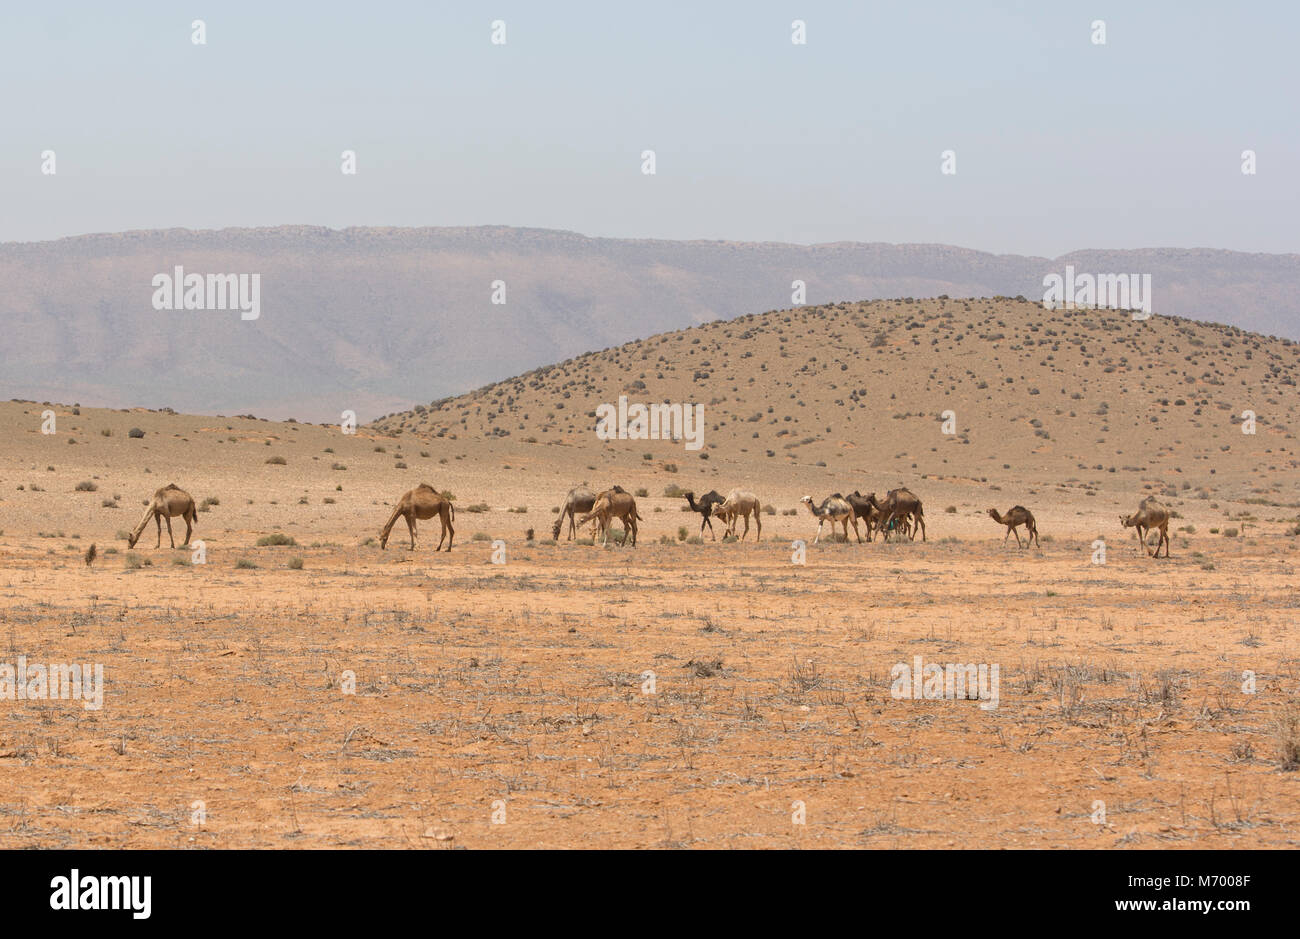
column 1060, row 143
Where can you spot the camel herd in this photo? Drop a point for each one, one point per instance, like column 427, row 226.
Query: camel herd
column 900, row 514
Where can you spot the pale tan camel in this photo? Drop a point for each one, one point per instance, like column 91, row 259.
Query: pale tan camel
column 168, row 502
column 610, row 504
column 1016, row 516
column 834, row 509
column 579, row 499
column 740, row 503
column 422, row 502
column 1150, row 514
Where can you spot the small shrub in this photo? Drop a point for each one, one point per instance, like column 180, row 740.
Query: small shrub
column 135, row 433
column 86, row 486
column 279, row 539
column 276, row 460
column 244, row 564
column 295, row 564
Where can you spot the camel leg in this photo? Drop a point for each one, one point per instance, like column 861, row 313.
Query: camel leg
column 856, row 533
column 410, row 526
column 189, row 530
column 817, row 536
column 758, row 526
column 1017, row 534
column 704, row 520
column 746, row 532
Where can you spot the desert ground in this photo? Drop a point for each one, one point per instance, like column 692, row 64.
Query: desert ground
column 714, row 694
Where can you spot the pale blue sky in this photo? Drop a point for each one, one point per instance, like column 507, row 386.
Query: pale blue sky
column 1060, row 144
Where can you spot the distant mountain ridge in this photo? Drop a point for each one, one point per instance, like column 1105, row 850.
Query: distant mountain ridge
column 378, row 319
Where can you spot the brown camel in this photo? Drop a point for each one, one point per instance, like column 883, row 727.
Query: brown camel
column 705, row 508
column 834, row 509
column 867, row 509
column 610, row 504
column 901, row 510
column 579, row 499
column 740, row 503
column 422, row 502
column 168, row 502
column 1016, row 516
column 1150, row 514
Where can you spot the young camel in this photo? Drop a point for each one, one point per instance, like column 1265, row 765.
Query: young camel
column 1016, row 516
column 1150, row 514
column 740, row 503
column 834, row 509
column 610, row 504
column 168, row 502
column 901, row 510
column 705, row 508
column 422, row 502
column 579, row 499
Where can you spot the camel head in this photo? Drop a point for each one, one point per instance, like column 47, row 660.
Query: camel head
column 132, row 539
column 383, row 541
column 993, row 514
column 807, row 500
column 1126, row 522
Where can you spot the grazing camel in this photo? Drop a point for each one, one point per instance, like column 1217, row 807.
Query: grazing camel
column 867, row 509
column 740, row 503
column 579, row 499
column 168, row 502
column 1150, row 514
column 614, row 503
column 705, row 508
column 901, row 510
column 422, row 502
column 834, row 509
column 1016, row 516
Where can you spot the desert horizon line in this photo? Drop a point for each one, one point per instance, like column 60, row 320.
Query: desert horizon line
column 498, row 227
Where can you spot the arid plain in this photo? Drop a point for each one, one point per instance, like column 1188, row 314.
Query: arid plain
column 1142, row 703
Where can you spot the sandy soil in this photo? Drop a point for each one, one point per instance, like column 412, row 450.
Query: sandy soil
column 517, row 689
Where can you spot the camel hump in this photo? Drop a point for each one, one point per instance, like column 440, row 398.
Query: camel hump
column 619, row 489
column 1019, row 508
column 426, row 487
column 171, row 486
column 836, row 495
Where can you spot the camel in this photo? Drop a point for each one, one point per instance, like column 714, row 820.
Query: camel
column 422, row 502
column 168, row 502
column 900, row 510
column 833, row 509
column 865, row 508
column 740, row 503
column 1150, row 514
column 579, row 499
column 705, row 508
column 1016, row 516
column 614, row 503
